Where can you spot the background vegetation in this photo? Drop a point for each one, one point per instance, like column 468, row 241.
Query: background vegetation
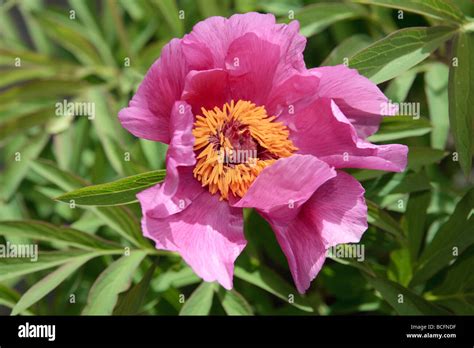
column 419, row 246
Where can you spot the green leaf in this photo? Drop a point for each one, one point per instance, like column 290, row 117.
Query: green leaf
column 317, row 17
column 415, row 218
column 269, row 281
column 347, row 49
column 70, row 35
column 9, row 298
column 436, row 89
column 93, row 31
column 19, row 124
column 175, row 279
column 39, row 230
column 122, row 191
column 399, row 127
column 18, row 164
column 15, row 267
column 48, row 284
column 457, row 290
column 400, row 86
column 451, row 240
column 378, row 217
column 398, row 52
column 400, row 268
column 209, row 8
column 404, row 301
column 200, row 301
column 38, row 89
column 419, row 156
column 461, row 99
column 104, row 293
column 233, row 302
column 132, row 301
column 439, row 9
column 169, row 12
column 118, row 218
column 412, row 182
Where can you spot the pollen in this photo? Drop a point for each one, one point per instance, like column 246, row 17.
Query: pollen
column 233, row 144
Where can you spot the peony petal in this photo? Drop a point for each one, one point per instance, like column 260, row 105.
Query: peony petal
column 216, row 34
column 149, row 111
column 292, row 96
column 357, row 97
column 250, row 78
column 339, row 210
column 206, row 89
column 282, row 188
column 179, row 187
column 208, row 235
column 335, row 213
column 324, row 131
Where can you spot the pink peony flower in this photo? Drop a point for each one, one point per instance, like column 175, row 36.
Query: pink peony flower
column 249, row 126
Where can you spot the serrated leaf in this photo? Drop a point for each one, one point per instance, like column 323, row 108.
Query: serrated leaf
column 116, row 278
column 398, row 52
column 200, row 301
column 461, row 99
column 122, row 191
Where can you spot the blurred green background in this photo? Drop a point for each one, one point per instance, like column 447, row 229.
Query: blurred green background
column 419, row 253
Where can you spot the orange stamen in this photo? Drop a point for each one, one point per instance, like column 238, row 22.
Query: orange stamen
column 219, row 135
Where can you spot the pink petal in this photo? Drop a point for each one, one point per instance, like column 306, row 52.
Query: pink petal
column 335, row 213
column 179, row 187
column 303, row 247
column 291, row 96
column 208, row 235
column 324, row 131
column 338, row 208
column 357, row 97
column 216, row 34
column 148, row 113
column 206, row 89
column 250, row 78
column 282, row 188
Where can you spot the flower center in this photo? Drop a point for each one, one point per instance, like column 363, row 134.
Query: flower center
column 234, row 144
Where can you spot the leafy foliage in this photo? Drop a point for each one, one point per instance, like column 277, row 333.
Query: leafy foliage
column 68, row 184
